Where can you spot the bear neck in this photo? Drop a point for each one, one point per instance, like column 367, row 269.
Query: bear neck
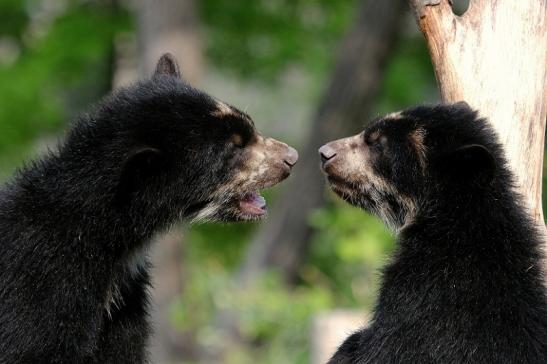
column 76, row 205
column 478, row 254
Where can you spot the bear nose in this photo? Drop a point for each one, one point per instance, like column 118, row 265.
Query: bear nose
column 326, row 152
column 292, row 156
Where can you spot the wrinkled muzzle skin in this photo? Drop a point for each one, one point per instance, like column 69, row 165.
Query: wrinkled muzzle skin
column 349, row 165
column 267, row 162
column 264, row 162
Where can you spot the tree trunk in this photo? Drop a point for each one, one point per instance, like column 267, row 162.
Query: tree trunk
column 168, row 26
column 283, row 239
column 494, row 57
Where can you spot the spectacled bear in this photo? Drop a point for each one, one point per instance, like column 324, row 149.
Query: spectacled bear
column 75, row 224
column 465, row 283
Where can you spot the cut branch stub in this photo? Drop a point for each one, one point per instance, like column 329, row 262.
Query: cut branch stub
column 419, row 6
column 494, row 57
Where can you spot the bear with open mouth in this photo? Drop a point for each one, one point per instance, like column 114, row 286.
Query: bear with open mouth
column 74, row 224
column 465, row 284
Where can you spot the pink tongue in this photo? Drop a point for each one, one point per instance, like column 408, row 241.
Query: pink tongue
column 258, row 201
column 254, row 204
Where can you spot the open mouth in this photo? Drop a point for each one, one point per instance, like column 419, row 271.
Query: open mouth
column 253, row 204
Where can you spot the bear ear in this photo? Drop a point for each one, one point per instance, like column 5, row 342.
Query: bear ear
column 167, row 65
column 461, row 105
column 139, row 167
column 472, row 163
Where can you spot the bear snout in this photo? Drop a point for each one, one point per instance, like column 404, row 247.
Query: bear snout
column 291, row 157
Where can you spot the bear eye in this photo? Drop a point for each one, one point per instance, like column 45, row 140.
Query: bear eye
column 237, row 140
column 376, row 141
column 373, row 138
column 382, row 141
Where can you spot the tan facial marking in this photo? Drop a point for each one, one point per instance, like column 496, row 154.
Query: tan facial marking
column 206, row 214
column 222, row 110
column 394, row 116
column 353, row 164
column 349, row 150
column 411, row 210
column 377, row 187
column 263, row 167
column 417, row 138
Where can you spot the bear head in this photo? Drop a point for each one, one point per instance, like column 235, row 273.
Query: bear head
column 173, row 151
column 410, row 161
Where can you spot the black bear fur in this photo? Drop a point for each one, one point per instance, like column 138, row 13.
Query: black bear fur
column 465, row 284
column 75, row 224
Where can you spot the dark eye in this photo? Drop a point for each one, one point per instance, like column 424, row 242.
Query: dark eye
column 237, row 140
column 372, row 139
column 382, row 141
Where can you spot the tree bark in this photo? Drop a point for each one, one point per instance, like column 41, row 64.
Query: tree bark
column 494, row 57
column 169, row 26
column 283, row 239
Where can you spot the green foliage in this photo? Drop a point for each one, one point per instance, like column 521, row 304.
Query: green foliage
column 409, row 77
column 275, row 321
column 57, row 72
column 261, row 38
column 277, row 329
column 14, row 18
column 348, row 249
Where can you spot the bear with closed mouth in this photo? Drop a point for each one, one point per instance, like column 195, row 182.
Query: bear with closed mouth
column 465, row 284
column 74, row 224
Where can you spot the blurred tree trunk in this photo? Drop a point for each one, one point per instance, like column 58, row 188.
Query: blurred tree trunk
column 283, row 239
column 168, row 26
column 494, row 57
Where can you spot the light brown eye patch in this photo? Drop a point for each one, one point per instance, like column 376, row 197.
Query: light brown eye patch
column 417, row 143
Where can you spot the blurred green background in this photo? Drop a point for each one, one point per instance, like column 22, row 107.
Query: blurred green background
column 274, row 58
